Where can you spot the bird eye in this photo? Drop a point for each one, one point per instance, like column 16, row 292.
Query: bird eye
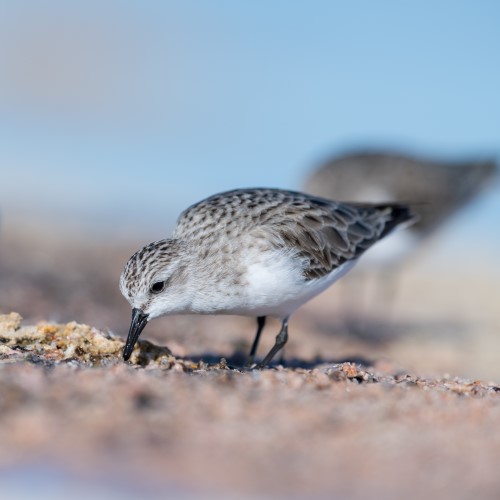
column 157, row 287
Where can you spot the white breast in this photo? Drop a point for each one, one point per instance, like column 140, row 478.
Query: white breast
column 275, row 285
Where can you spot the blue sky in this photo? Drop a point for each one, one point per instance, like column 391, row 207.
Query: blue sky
column 130, row 111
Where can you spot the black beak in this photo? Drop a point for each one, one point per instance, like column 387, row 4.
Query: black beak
column 139, row 321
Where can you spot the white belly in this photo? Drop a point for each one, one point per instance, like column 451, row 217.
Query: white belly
column 276, row 287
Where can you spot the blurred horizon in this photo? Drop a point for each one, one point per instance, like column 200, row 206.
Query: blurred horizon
column 121, row 114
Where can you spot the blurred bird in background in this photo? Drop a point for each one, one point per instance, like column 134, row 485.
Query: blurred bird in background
column 437, row 189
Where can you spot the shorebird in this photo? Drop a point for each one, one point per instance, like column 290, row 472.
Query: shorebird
column 252, row 252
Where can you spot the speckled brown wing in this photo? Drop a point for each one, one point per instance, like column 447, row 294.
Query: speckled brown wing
column 323, row 232
column 328, row 234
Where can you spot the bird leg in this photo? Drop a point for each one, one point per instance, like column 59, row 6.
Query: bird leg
column 261, row 321
column 281, row 339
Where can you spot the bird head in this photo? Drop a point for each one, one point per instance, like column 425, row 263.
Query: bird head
column 150, row 282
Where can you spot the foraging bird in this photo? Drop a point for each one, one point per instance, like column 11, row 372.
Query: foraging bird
column 253, row 252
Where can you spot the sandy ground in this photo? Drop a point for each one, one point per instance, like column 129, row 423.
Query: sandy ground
column 382, row 399
column 337, row 430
